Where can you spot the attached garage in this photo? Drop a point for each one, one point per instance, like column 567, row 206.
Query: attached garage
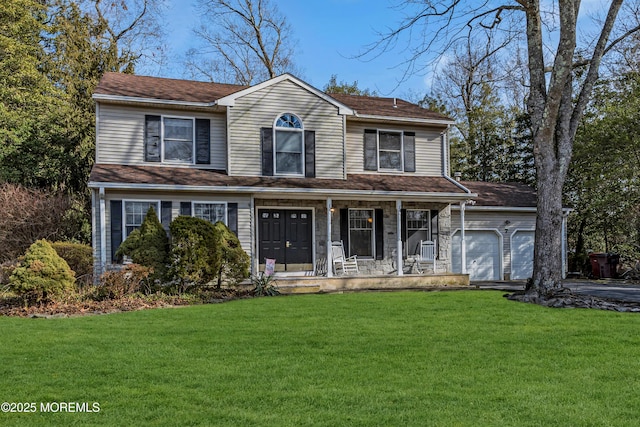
column 522, row 254
column 483, row 254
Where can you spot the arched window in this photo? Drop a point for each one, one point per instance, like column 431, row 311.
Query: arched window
column 288, row 149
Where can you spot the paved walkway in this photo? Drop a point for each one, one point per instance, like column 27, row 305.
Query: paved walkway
column 606, row 288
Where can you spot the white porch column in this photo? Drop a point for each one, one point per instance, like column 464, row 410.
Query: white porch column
column 463, row 246
column 329, row 254
column 103, row 230
column 399, row 262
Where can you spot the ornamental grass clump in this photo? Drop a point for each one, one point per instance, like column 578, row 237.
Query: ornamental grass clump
column 42, row 276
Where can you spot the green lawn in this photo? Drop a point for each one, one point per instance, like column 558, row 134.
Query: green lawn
column 368, row 359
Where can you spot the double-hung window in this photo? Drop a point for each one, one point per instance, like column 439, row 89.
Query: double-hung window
column 135, row 212
column 210, row 211
column 361, row 237
column 390, row 150
column 289, row 145
column 178, row 139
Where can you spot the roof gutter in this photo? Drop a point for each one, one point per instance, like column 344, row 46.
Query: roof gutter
column 278, row 191
column 134, row 99
column 404, row 119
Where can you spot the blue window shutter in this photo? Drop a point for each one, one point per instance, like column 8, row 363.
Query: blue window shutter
column 310, row 154
column 152, row 138
column 165, row 214
column 344, row 230
column 409, row 152
column 203, row 141
column 370, row 149
column 116, row 227
column 403, row 228
column 232, row 217
column 379, row 220
column 266, row 136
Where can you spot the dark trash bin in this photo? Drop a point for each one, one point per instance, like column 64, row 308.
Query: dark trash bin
column 604, row 265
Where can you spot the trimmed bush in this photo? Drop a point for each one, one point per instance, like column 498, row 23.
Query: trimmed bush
column 148, row 245
column 194, row 254
column 79, row 257
column 42, row 276
column 234, row 261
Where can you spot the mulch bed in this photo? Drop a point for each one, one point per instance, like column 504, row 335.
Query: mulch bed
column 565, row 298
column 14, row 307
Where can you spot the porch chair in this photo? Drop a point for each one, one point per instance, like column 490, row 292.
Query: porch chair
column 346, row 265
column 426, row 257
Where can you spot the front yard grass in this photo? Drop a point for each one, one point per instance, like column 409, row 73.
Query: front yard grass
column 363, row 359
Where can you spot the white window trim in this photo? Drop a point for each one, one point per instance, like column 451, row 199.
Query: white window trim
column 124, row 213
column 274, row 137
column 193, row 140
column 373, row 232
column 401, row 149
column 211, row 202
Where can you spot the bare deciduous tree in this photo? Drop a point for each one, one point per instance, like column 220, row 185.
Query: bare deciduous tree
column 244, row 42
column 561, row 77
column 132, row 28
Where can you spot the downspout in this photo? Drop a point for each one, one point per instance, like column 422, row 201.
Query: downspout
column 228, row 165
column 329, row 254
column 445, row 151
column 399, row 262
column 344, row 147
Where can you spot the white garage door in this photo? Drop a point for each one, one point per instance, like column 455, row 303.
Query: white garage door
column 522, row 254
column 483, row 255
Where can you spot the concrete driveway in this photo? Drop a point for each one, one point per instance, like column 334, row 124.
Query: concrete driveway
column 606, row 288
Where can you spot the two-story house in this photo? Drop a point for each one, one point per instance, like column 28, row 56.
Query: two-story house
column 287, row 167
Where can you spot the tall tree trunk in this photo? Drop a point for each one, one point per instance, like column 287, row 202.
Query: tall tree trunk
column 547, row 259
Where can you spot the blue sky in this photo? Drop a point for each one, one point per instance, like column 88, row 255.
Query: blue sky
column 328, row 33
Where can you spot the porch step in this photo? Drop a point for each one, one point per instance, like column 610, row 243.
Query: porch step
column 319, row 284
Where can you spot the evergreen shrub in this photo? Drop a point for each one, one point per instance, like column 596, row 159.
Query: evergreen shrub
column 148, row 245
column 194, row 255
column 79, row 257
column 42, row 275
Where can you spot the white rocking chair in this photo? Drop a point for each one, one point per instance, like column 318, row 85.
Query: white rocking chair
column 426, row 257
column 341, row 263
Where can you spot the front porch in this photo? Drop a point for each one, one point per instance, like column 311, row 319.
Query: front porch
column 292, row 284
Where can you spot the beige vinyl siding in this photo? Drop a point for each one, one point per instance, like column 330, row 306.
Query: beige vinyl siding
column 261, row 108
column 244, row 211
column 495, row 221
column 428, row 147
column 120, row 138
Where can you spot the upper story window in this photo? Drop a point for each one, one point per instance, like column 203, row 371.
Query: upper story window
column 183, row 140
column 389, row 150
column 177, row 141
column 288, row 149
